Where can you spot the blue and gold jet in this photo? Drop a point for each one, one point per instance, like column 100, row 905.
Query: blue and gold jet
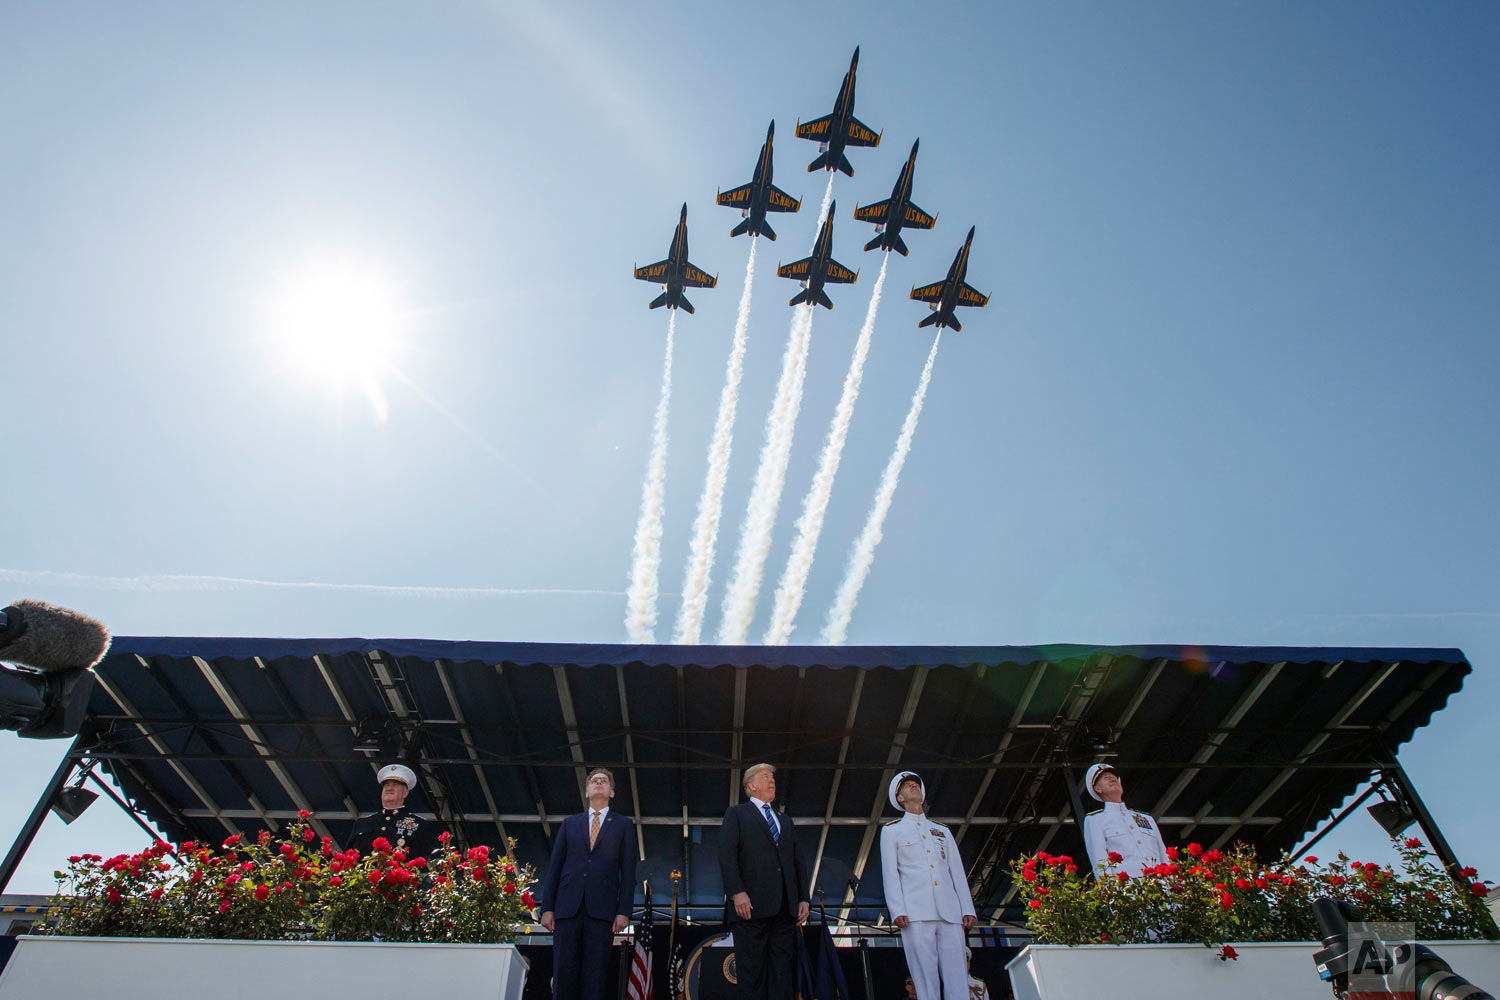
column 834, row 132
column 819, row 268
column 943, row 296
column 760, row 196
column 675, row 273
column 896, row 212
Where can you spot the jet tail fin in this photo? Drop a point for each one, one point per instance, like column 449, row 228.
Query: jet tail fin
column 658, row 302
column 932, row 318
column 767, row 231
column 741, row 229
column 821, row 163
column 844, row 165
column 896, row 243
column 684, row 304
column 800, row 297
column 824, row 300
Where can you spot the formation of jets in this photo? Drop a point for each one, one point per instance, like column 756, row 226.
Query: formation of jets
column 834, row 132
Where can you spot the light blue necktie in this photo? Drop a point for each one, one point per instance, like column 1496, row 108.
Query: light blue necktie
column 775, row 830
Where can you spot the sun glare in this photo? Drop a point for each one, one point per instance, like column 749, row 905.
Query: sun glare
column 338, row 323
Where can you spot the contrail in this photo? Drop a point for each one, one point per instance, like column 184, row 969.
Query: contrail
column 179, row 582
column 640, row 599
column 863, row 555
column 711, row 503
column 793, row 584
column 770, row 474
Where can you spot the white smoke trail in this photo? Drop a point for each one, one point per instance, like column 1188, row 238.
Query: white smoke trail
column 793, row 584
column 711, row 503
column 770, row 480
column 770, row 474
column 863, row 555
column 640, row 598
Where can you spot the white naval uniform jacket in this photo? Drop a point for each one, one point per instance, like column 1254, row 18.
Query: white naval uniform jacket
column 924, row 876
column 1129, row 833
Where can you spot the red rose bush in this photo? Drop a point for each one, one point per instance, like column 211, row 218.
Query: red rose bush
column 295, row 887
column 1212, row 896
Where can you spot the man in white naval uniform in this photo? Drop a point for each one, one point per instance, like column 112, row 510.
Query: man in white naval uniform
column 927, row 894
column 1131, row 834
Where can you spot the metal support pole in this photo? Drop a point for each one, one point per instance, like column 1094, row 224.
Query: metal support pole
column 38, row 813
column 1078, row 810
column 1396, row 775
column 1336, row 821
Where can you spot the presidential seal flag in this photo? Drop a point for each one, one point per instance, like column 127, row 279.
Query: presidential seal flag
column 639, row 986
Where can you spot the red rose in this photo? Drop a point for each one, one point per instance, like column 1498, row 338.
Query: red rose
column 308, row 834
column 1242, row 883
column 189, row 847
column 1355, row 866
column 374, row 877
column 1171, row 854
column 419, row 862
column 247, row 866
column 303, row 813
column 444, row 837
column 74, row 859
column 157, row 892
column 262, row 893
column 1028, row 875
column 327, row 851
column 231, row 841
column 381, row 845
column 1413, row 842
column 1196, row 850
column 1312, row 859
column 113, row 895
column 1072, row 869
column 527, row 901
column 1479, row 890
column 231, row 880
column 1226, row 901
column 1260, row 883
column 287, row 850
column 1035, row 904
column 1042, row 892
column 1227, row 953
column 416, row 909
column 1468, row 872
column 224, row 906
column 1212, row 856
column 510, row 888
column 1336, row 880
column 264, row 836
column 1121, row 877
column 1115, row 857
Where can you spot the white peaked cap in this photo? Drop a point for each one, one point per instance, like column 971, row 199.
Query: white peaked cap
column 1092, row 775
column 896, row 783
column 398, row 772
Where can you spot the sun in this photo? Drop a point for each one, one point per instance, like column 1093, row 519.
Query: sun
column 337, row 322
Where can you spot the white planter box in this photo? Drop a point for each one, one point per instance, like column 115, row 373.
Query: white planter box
column 1154, row 971
column 165, row 969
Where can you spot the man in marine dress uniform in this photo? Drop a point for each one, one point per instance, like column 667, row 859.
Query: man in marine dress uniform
column 927, row 893
column 588, row 891
column 397, row 824
column 1131, row 834
column 765, row 877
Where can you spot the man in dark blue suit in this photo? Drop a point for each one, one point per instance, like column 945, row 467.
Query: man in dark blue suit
column 765, row 878
column 588, row 891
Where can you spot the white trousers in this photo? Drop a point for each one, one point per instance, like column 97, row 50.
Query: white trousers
column 935, row 954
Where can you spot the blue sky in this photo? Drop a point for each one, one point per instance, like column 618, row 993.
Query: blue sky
column 1233, row 385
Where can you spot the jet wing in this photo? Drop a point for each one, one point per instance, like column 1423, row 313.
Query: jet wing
column 838, row 274
column 915, row 218
column 693, row 277
column 968, row 296
column 874, row 213
column 653, row 272
column 778, row 200
column 859, row 134
column 740, row 197
column 818, row 128
column 796, row 269
column 929, row 293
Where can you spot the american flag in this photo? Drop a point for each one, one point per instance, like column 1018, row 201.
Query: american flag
column 639, row 987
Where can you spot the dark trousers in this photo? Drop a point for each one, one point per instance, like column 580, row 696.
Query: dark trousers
column 765, row 957
column 581, row 948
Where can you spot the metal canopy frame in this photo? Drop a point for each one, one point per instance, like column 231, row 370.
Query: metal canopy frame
column 216, row 736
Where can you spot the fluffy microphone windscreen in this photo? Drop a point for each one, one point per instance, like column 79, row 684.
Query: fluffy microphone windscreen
column 55, row 638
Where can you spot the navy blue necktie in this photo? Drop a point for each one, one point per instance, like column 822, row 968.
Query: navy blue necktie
column 775, row 830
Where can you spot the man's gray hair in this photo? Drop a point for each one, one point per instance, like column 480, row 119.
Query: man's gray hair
column 753, row 770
